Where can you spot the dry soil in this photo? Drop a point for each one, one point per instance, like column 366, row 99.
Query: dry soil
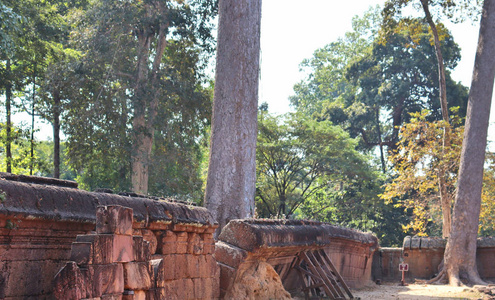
column 390, row 291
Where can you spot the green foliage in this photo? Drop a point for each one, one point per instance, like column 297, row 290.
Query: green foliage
column 311, row 169
column 417, row 161
column 369, row 87
column 114, row 89
column 21, row 157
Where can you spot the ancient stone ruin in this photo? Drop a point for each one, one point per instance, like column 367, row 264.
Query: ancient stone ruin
column 52, row 243
column 59, row 242
column 244, row 243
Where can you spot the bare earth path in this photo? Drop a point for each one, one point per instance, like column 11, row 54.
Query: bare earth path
column 390, row 291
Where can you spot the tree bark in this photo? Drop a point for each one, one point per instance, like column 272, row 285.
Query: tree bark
column 145, row 103
column 445, row 198
column 441, row 67
column 380, row 142
column 8, row 125
column 231, row 182
column 460, row 253
column 56, row 133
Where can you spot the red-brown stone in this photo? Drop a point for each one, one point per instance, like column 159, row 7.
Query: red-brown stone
column 114, row 219
column 107, row 279
column 69, row 283
column 137, row 276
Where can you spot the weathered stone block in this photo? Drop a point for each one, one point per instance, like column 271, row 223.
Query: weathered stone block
column 229, row 254
column 150, row 237
column 212, row 265
column 82, row 253
column 181, row 243
column 158, row 279
column 158, row 294
column 195, row 244
column 107, row 279
column 199, row 288
column 208, row 243
column 188, row 291
column 192, row 265
column 168, row 268
column 167, row 243
column 134, row 295
column 141, row 249
column 180, row 265
column 227, row 275
column 111, row 297
column 137, row 276
column 109, row 248
column 114, row 219
column 69, row 283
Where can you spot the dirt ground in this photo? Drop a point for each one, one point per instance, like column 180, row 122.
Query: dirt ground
column 390, row 291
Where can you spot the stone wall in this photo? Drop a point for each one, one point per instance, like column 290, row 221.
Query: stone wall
column 424, row 255
column 41, row 218
column 243, row 243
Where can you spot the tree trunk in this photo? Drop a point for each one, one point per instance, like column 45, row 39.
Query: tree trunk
column 445, row 198
column 56, row 133
column 380, row 141
column 145, row 103
column 231, row 181
column 460, row 253
column 31, row 161
column 8, row 125
column 441, row 67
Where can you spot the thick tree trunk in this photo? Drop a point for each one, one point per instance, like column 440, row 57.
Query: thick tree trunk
column 8, row 125
column 231, row 181
column 445, row 198
column 460, row 253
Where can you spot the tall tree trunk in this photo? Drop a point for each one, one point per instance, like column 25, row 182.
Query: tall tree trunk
column 31, row 162
column 445, row 198
column 380, row 141
column 231, row 182
column 8, row 125
column 440, row 64
column 145, row 103
column 56, row 133
column 460, row 253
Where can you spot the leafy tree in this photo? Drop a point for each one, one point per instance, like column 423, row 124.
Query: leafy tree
column 21, row 161
column 311, row 169
column 38, row 43
column 392, row 7
column 417, row 162
column 298, row 158
column 369, row 87
column 141, row 72
column 395, row 79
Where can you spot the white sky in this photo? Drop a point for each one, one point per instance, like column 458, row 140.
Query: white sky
column 291, row 30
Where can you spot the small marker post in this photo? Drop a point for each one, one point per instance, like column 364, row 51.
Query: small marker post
column 403, row 267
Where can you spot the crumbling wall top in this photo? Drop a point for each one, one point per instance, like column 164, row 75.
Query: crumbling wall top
column 46, row 198
column 253, row 234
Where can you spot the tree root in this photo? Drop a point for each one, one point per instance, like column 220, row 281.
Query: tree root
column 439, row 279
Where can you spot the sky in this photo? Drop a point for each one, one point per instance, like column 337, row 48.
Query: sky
column 291, row 30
